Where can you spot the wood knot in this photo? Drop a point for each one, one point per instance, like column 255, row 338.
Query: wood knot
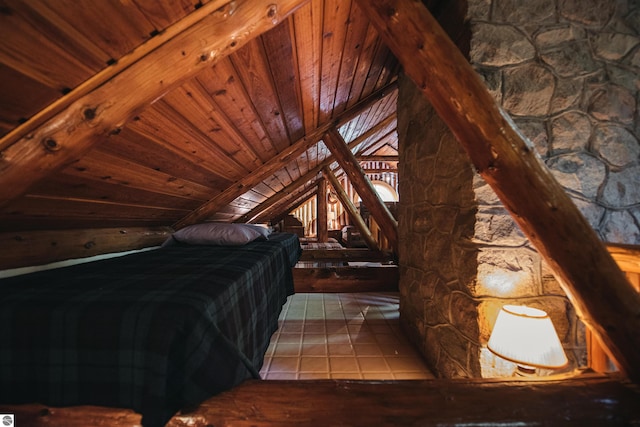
column 89, row 113
column 272, row 12
column 44, row 412
column 51, row 144
column 89, row 245
column 391, row 12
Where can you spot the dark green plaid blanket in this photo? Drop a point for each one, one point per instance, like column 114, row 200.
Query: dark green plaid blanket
column 153, row 331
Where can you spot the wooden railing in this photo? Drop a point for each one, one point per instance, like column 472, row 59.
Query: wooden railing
column 628, row 259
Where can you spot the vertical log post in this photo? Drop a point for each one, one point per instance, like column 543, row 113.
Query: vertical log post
column 389, row 226
column 597, row 288
column 351, row 210
column 321, row 216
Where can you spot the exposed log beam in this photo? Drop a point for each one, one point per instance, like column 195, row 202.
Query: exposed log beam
column 597, row 288
column 27, row 248
column 290, row 203
column 582, row 400
column 256, row 213
column 626, row 256
column 110, row 72
column 379, row 170
column 322, row 231
column 351, row 209
column 104, row 109
column 292, row 190
column 375, row 158
column 346, row 254
column 381, row 143
column 291, row 194
column 279, row 161
column 373, row 130
column 346, row 279
column 389, row 226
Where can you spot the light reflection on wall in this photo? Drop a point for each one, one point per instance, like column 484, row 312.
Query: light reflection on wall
column 500, row 283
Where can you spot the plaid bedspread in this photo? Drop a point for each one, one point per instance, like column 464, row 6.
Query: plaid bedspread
column 291, row 245
column 153, row 331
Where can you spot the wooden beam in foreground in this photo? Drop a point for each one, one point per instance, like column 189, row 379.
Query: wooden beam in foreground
column 347, row 161
column 104, row 109
column 109, row 73
column 577, row 401
column 597, row 288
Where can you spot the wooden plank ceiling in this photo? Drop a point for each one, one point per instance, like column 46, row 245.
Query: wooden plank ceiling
column 323, row 65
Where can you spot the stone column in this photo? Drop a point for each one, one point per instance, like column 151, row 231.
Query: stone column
column 567, row 72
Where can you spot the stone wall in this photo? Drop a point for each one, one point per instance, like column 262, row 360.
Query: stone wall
column 437, row 258
column 567, row 73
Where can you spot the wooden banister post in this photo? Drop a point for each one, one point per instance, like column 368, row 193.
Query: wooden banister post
column 351, row 210
column 347, row 161
column 321, row 215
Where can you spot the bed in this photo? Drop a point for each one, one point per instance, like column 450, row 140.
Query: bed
column 155, row 331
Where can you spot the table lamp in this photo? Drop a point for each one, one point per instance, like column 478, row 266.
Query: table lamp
column 525, row 336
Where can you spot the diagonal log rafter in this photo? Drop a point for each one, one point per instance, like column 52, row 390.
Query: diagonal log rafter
column 276, row 163
column 293, row 201
column 295, row 188
column 257, row 212
column 597, row 288
column 334, row 141
column 101, row 111
column 351, row 209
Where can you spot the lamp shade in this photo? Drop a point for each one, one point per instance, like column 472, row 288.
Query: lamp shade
column 525, row 335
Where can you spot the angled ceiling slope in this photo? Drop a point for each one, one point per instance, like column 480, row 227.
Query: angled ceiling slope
column 105, row 123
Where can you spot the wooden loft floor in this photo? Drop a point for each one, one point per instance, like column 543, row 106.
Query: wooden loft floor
column 330, row 271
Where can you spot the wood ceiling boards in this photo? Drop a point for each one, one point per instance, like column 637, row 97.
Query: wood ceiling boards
column 159, row 145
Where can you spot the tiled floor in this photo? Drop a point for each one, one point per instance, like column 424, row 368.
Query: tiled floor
column 347, row 336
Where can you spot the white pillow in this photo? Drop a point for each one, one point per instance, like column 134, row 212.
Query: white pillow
column 217, row 233
column 265, row 231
